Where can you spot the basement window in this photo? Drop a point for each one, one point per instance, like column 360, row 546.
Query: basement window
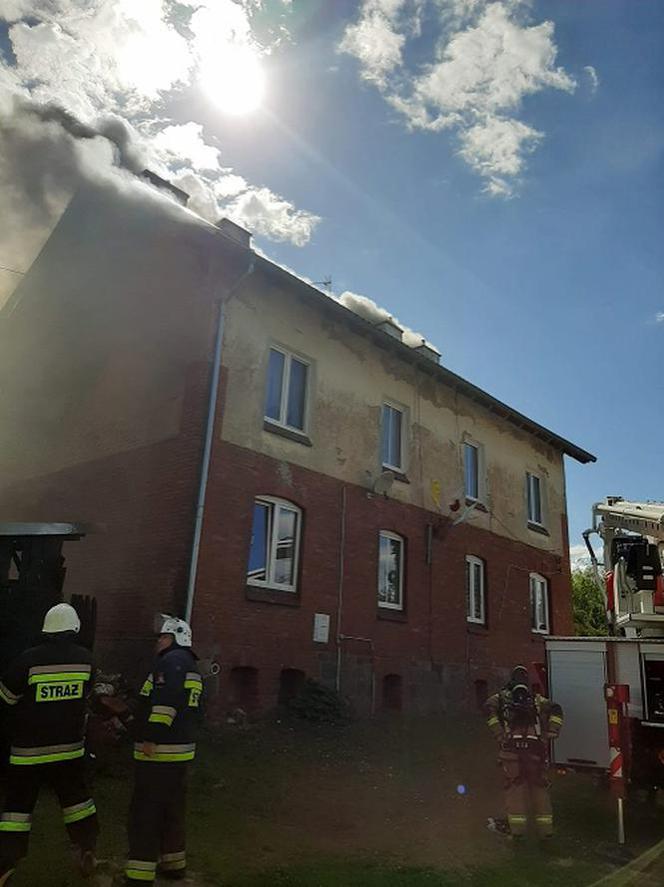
column 390, row 570
column 539, row 604
column 475, row 590
column 275, row 544
column 287, row 381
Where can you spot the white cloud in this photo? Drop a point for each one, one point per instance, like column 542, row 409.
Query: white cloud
column 488, row 60
column 659, row 317
column 580, row 558
column 593, row 77
column 185, row 142
column 97, row 58
column 266, row 213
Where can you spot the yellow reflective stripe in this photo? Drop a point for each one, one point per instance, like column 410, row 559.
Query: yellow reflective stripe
column 544, row 818
column 7, row 696
column 47, row 759
column 493, row 721
column 174, row 865
column 78, row 811
column 555, row 719
column 59, row 676
column 15, row 822
column 139, row 875
column 167, row 720
column 148, row 686
column 173, row 857
column 517, row 818
column 162, row 757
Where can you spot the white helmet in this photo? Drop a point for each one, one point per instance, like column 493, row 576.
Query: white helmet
column 61, row 617
column 181, row 631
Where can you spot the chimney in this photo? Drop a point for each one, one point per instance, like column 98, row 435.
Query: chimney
column 164, row 185
column 390, row 328
column 236, row 232
column 428, row 351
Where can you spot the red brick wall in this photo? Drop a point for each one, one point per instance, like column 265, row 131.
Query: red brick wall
column 437, row 653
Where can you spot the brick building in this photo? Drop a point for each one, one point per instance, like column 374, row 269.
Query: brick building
column 369, row 518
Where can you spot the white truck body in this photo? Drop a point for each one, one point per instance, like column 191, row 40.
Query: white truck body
column 579, row 668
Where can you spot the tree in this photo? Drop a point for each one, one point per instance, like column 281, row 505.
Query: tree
column 587, row 605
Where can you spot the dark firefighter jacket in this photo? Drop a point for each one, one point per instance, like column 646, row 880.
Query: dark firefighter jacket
column 46, row 686
column 545, row 722
column 171, row 696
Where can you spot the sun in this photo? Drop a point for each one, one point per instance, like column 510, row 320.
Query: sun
column 234, row 80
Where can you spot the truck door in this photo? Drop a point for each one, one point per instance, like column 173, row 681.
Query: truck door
column 577, row 675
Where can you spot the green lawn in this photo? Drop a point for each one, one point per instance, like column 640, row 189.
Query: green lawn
column 372, row 805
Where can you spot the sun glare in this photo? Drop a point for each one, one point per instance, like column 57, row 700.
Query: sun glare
column 235, row 80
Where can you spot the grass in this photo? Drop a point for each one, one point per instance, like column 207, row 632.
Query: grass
column 372, row 805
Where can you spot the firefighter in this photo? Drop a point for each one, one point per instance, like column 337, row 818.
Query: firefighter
column 46, row 688
column 523, row 722
column 171, row 696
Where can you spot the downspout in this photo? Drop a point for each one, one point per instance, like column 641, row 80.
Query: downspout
column 209, row 434
column 340, row 590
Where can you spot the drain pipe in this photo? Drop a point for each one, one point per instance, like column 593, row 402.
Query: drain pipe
column 340, row 590
column 209, row 433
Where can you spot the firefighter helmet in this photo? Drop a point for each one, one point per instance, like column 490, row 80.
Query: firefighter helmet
column 181, row 631
column 61, row 617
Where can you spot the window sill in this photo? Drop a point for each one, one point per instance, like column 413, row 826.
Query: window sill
column 538, row 528
column 296, row 436
column 479, row 506
column 477, row 628
column 398, row 475
column 391, row 615
column 272, row 596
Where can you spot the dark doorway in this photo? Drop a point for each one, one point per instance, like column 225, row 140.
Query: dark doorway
column 244, row 688
column 392, row 692
column 291, row 681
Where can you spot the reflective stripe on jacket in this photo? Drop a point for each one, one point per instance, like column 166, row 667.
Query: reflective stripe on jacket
column 46, row 687
column 171, row 696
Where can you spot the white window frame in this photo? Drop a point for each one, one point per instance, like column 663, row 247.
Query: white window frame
column 271, row 547
column 471, row 561
column 538, row 583
column 386, row 605
column 481, row 486
column 400, row 469
column 285, row 383
column 532, row 475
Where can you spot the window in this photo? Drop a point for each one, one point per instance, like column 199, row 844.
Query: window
column 539, row 604
column 475, row 604
column 534, row 492
column 471, row 466
column 392, row 437
column 390, row 570
column 275, row 543
column 287, row 378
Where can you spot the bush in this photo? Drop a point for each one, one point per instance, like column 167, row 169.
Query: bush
column 319, row 704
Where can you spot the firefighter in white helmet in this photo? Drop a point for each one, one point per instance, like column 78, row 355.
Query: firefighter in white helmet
column 46, row 687
column 165, row 744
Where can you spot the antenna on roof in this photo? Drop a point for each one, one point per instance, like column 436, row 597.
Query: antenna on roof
column 327, row 283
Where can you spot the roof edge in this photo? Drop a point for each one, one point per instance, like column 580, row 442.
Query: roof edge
column 452, row 380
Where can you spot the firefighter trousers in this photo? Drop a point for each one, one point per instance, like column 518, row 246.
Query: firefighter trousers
column 157, row 821
column 68, row 780
column 526, row 794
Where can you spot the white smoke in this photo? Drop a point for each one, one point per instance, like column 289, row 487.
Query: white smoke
column 82, row 96
column 374, row 314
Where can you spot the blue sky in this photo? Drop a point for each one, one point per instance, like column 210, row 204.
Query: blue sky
column 547, row 297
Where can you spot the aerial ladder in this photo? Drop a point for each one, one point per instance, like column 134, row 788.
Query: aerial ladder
column 632, row 534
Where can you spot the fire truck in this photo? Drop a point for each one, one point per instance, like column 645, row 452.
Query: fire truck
column 612, row 687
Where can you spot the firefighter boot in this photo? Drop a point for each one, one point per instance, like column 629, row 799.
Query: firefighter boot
column 84, row 860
